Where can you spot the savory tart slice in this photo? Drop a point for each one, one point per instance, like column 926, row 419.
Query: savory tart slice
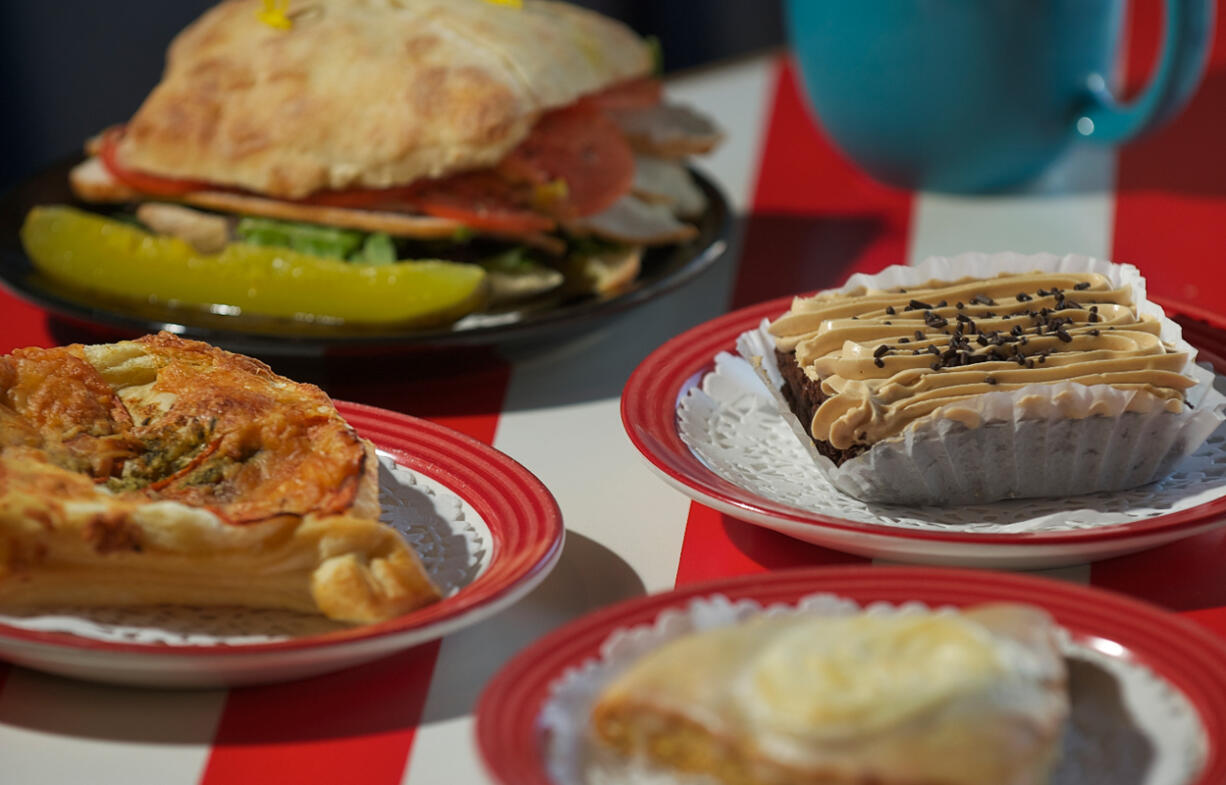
column 938, row 698
column 163, row 470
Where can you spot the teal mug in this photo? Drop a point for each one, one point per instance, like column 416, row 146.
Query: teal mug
column 978, row 95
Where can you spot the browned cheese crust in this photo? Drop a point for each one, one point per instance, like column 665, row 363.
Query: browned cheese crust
column 164, row 470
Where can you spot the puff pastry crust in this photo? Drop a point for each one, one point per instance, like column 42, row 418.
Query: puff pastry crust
column 367, row 93
column 929, row 699
column 163, row 470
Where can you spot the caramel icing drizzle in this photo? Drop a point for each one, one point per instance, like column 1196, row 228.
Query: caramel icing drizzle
column 888, row 358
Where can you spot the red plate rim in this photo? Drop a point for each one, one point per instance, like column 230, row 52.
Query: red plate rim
column 648, row 410
column 1182, row 652
column 523, row 517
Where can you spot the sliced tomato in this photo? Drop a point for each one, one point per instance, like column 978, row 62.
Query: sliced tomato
column 483, row 201
column 142, row 181
column 491, row 219
column 638, row 93
column 580, row 145
column 363, row 198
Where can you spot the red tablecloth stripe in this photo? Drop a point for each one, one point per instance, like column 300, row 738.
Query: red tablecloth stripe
column 1187, row 575
column 1213, row 618
column 461, row 390
column 808, row 202
column 354, row 726
column 1170, row 210
column 811, row 203
column 717, row 545
column 22, row 324
column 1171, row 186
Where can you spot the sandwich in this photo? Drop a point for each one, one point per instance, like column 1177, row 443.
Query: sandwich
column 530, row 139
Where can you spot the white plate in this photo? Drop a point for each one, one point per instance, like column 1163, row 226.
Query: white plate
column 488, row 532
column 1004, row 534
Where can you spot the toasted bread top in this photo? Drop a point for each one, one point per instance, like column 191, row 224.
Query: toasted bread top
column 367, row 93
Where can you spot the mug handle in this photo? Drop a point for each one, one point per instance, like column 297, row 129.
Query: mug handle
column 1185, row 49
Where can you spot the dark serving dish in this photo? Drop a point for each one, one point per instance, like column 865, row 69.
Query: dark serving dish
column 664, row 269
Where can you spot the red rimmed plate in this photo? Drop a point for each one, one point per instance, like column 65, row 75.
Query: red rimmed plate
column 1181, row 653
column 649, row 414
column 525, row 536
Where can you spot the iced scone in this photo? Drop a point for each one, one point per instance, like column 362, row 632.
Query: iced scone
column 1045, row 376
column 939, row 698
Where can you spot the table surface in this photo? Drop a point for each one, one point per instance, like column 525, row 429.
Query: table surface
column 807, row 220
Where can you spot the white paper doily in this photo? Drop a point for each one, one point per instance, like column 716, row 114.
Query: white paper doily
column 447, row 533
column 1128, row 726
column 732, row 424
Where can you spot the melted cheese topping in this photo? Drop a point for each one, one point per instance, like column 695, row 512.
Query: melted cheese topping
column 889, row 358
column 841, row 677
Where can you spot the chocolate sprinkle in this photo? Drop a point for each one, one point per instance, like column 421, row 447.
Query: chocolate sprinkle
column 982, row 299
column 916, row 305
column 1082, row 285
column 1022, row 297
column 881, row 350
column 878, row 362
column 904, row 340
column 935, row 321
column 990, row 379
column 919, row 336
column 890, row 310
column 1062, row 335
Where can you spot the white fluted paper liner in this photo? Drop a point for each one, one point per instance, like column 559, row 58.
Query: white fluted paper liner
column 732, row 423
column 1147, row 733
column 1046, row 448
column 448, row 534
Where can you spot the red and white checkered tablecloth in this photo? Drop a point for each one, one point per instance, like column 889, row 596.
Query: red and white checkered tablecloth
column 809, row 221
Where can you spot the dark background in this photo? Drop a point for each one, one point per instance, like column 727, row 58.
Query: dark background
column 68, row 69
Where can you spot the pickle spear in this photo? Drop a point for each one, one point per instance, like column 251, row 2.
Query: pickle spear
column 102, row 255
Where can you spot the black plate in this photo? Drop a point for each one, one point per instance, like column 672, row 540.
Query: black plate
column 664, row 269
